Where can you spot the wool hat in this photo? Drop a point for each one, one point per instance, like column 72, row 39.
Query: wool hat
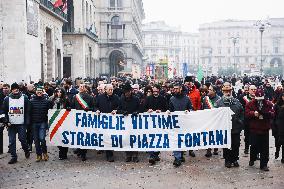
column 15, row 86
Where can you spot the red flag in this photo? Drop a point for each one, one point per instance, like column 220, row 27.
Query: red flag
column 58, row 3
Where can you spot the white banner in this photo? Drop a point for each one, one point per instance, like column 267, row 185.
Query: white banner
column 177, row 131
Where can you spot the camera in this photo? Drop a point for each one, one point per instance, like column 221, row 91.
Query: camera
column 4, row 121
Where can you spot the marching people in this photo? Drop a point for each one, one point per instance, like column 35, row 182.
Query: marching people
column 16, row 107
column 83, row 101
column 129, row 105
column 179, row 102
column 39, row 120
column 260, row 113
column 108, row 103
column 209, row 102
column 59, row 101
column 278, row 127
column 247, row 97
column 231, row 156
column 155, row 103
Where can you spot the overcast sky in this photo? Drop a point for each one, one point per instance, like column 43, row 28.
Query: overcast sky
column 188, row 14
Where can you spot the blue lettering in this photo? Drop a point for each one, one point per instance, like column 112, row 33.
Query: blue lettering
column 204, row 138
column 132, row 140
column 65, row 134
column 219, row 137
column 175, row 121
column 78, row 119
column 211, row 138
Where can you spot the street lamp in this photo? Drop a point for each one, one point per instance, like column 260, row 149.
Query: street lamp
column 261, row 25
column 235, row 40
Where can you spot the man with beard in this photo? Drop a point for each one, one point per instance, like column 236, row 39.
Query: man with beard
column 107, row 103
column 129, row 105
column 155, row 103
column 116, row 90
column 209, row 103
column 16, row 107
column 179, row 102
column 83, row 101
column 232, row 155
column 260, row 113
column 245, row 99
column 268, row 91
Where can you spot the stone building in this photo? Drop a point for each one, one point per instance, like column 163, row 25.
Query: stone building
column 80, row 40
column 169, row 50
column 121, row 45
column 237, row 44
column 30, row 40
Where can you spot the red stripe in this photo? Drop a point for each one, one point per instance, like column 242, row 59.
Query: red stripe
column 58, row 124
column 83, row 106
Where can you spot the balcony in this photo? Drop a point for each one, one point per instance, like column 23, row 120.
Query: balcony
column 86, row 32
column 47, row 5
column 115, row 8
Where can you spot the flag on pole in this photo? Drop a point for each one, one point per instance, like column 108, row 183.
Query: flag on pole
column 200, row 73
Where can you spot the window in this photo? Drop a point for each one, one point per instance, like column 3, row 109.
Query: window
column 115, row 3
column 112, row 3
column 247, row 60
column 276, row 50
column 219, row 50
column 229, row 50
column 116, row 28
column 238, row 50
column 247, row 50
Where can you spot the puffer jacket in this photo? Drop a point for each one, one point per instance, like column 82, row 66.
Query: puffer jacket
column 39, row 109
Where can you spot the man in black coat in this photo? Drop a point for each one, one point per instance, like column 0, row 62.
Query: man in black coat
column 129, row 105
column 82, row 101
column 155, row 103
column 108, row 103
column 232, row 155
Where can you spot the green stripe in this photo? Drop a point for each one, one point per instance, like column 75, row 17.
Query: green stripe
column 53, row 117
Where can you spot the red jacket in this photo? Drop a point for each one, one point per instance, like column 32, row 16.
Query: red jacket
column 195, row 98
column 256, row 125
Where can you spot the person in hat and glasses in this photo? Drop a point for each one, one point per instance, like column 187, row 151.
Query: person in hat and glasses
column 16, row 107
column 260, row 113
column 227, row 100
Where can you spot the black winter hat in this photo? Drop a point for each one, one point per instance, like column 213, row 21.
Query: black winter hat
column 188, row 79
column 127, row 87
column 15, row 86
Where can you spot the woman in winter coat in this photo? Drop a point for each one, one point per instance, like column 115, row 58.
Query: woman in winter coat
column 60, row 101
column 278, row 127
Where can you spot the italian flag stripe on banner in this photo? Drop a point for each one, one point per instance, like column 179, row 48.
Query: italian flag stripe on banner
column 59, row 122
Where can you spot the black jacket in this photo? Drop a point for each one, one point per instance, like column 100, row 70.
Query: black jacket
column 106, row 104
column 237, row 108
column 156, row 103
column 39, row 109
column 180, row 103
column 129, row 105
column 87, row 98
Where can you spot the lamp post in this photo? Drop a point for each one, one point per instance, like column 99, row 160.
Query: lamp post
column 262, row 25
column 235, row 40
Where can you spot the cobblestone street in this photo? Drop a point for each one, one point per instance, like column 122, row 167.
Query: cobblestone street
column 198, row 172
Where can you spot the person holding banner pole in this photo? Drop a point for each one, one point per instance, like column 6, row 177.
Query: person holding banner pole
column 155, row 103
column 107, row 103
column 60, row 101
column 179, row 102
column 209, row 103
column 129, row 105
column 227, row 100
column 83, row 101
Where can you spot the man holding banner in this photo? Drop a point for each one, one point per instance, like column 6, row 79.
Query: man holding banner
column 108, row 103
column 232, row 155
column 179, row 102
column 83, row 101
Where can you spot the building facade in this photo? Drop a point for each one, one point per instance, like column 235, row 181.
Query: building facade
column 169, row 51
column 237, row 44
column 121, row 45
column 80, row 40
column 30, row 40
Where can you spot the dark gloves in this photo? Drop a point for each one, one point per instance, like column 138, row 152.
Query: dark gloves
column 135, row 114
column 68, row 109
column 125, row 113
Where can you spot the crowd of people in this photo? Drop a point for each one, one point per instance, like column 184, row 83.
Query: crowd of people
column 257, row 103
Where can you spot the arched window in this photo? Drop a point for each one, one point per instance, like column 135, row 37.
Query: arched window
column 116, row 28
